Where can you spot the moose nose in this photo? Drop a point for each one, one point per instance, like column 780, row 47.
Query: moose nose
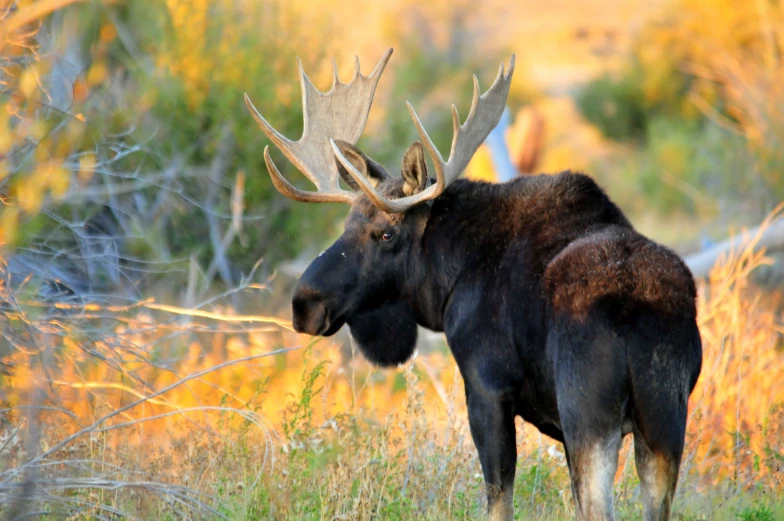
column 309, row 311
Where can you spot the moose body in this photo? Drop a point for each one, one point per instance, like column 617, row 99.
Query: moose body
column 554, row 307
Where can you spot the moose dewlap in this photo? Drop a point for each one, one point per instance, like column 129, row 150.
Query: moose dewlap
column 553, row 306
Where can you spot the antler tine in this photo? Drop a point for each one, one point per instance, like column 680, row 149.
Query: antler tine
column 340, row 113
column 475, row 97
column 485, row 112
column 292, row 192
column 276, row 137
column 335, row 76
column 456, row 126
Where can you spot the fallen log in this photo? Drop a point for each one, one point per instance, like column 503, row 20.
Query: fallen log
column 770, row 236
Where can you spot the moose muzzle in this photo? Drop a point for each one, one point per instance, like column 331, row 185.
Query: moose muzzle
column 326, row 292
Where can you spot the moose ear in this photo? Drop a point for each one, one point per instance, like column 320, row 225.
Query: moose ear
column 366, row 166
column 414, row 169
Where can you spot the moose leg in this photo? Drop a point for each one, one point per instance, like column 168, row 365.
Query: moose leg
column 592, row 466
column 492, row 427
column 658, row 472
column 658, row 443
column 662, row 384
column 591, row 387
column 592, row 400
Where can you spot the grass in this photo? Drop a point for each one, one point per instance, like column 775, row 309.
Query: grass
column 163, row 413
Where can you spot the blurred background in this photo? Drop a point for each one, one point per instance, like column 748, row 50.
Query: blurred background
column 147, row 262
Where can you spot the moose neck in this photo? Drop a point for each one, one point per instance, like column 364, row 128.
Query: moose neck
column 461, row 222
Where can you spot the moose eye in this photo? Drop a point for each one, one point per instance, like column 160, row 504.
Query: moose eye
column 386, row 236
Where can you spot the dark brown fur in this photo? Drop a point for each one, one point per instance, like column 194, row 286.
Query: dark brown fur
column 617, row 263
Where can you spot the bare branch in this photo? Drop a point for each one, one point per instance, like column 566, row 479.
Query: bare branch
column 769, row 236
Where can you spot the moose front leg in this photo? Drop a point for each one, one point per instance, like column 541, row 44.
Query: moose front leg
column 492, row 427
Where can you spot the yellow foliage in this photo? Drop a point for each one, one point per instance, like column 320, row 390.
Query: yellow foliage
column 108, row 32
column 58, row 181
column 33, row 163
column 28, row 197
column 6, row 137
column 37, row 130
column 97, row 74
column 190, row 60
column 28, row 81
column 9, row 223
column 733, row 49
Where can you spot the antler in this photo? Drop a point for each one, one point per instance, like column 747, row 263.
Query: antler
column 340, row 113
column 484, row 115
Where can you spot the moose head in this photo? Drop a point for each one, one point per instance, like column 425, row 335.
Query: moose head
column 371, row 278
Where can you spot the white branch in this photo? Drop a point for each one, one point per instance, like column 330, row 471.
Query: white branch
column 771, row 237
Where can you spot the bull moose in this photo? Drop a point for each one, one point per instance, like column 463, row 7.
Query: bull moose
column 554, row 307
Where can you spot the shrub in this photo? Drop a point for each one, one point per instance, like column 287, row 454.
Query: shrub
column 614, row 106
column 700, row 93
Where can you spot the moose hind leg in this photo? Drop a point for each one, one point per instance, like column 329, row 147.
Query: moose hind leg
column 592, row 466
column 592, row 392
column 661, row 389
column 658, row 473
